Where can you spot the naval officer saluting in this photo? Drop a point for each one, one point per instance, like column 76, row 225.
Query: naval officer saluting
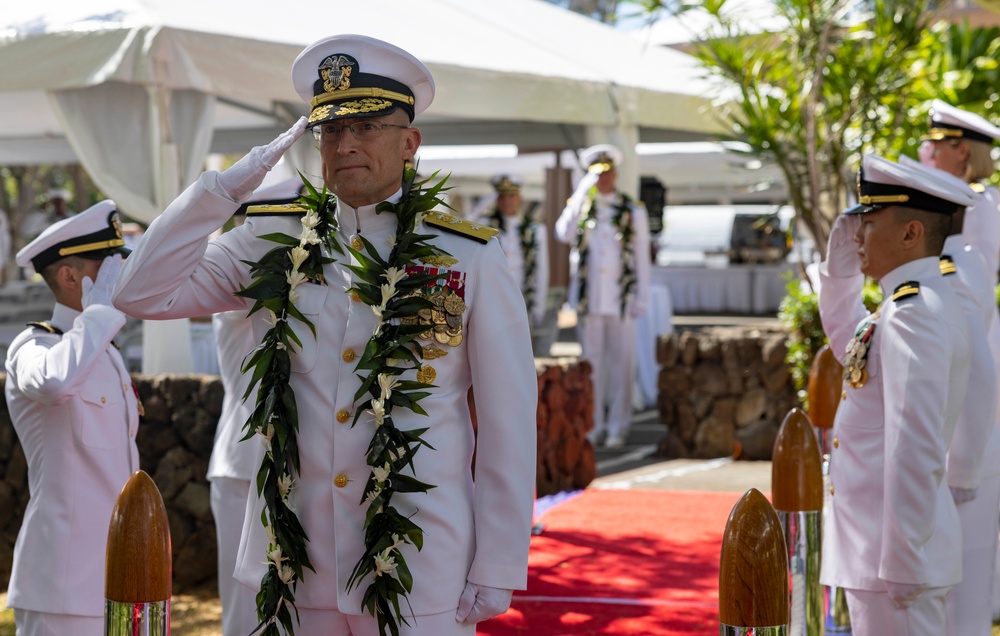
column 892, row 539
column 76, row 413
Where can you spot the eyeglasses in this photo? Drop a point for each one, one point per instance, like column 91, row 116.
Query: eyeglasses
column 363, row 130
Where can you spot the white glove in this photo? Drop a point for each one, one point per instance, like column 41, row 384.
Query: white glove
column 902, row 594
column 243, row 177
column 842, row 259
column 962, row 495
column 99, row 292
column 479, row 602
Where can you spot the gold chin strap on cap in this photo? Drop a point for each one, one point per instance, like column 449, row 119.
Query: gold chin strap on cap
column 91, row 247
column 885, row 198
column 360, row 92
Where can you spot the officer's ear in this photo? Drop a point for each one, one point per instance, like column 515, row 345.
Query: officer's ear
column 913, row 233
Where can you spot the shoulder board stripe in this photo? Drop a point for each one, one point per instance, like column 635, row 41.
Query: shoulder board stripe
column 287, row 209
column 453, row 224
column 907, row 289
column 977, row 187
column 47, row 327
column 947, row 266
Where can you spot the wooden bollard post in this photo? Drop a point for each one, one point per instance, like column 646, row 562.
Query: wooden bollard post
column 138, row 570
column 824, row 392
column 753, row 571
column 797, row 492
column 826, row 387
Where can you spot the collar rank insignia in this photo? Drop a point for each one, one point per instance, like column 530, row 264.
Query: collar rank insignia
column 855, row 362
column 907, row 289
column 947, row 265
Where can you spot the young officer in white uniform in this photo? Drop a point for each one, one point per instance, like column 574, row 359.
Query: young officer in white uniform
column 892, row 539
column 232, row 468
column 609, row 265
column 476, row 532
column 974, row 483
column 76, row 413
column 524, row 241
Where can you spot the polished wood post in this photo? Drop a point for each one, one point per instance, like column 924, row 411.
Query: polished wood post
column 825, row 388
column 797, row 492
column 753, row 570
column 138, row 565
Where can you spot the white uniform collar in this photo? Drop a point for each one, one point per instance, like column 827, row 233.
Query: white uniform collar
column 954, row 244
column 63, row 317
column 364, row 219
column 927, row 268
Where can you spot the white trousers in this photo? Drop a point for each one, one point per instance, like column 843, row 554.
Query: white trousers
column 608, row 343
column 30, row 623
column 333, row 623
column 875, row 614
column 239, row 602
column 969, row 603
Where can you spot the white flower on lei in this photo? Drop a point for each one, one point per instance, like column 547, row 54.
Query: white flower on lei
column 387, row 383
column 295, row 278
column 384, row 563
column 298, row 255
column 381, row 473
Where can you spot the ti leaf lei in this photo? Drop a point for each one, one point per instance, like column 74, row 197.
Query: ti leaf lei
column 622, row 220
column 394, row 294
column 527, row 234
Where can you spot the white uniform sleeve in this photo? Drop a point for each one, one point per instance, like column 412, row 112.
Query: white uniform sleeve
column 175, row 272
column 53, row 374
column 840, row 309
column 640, row 241
column 506, row 394
column 978, row 416
column 565, row 229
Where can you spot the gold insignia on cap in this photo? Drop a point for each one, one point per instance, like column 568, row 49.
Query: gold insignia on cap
column 370, row 105
column 116, row 222
column 335, row 71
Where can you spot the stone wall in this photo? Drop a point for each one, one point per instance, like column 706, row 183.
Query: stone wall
column 723, row 391
column 175, row 442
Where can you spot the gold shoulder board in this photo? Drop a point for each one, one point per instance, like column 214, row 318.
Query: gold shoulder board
column 468, row 229
column 907, row 289
column 285, row 209
column 47, row 327
column 977, row 187
column 947, row 266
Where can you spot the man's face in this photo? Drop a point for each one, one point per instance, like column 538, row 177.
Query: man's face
column 509, row 203
column 364, row 172
column 879, row 238
column 607, row 181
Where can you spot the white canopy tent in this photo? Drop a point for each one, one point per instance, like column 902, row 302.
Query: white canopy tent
column 141, row 91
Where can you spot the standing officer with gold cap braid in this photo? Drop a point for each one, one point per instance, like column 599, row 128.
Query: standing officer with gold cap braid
column 341, row 266
column 892, row 539
column 609, row 261
column 76, row 413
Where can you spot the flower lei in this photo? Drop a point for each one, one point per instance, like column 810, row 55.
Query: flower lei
column 622, row 220
column 527, row 236
column 393, row 295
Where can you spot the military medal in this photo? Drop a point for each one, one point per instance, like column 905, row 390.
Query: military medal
column 443, row 320
column 856, row 358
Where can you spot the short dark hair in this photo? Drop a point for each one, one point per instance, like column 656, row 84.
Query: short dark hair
column 937, row 226
column 50, row 272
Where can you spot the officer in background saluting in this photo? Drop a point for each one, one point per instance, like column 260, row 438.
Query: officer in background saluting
column 609, row 262
column 524, row 242
column 76, row 413
column 893, row 540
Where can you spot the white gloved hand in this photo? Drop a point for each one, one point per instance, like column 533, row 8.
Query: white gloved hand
column 99, row 292
column 962, row 495
column 902, row 594
column 479, row 602
column 842, row 258
column 243, row 177
column 588, row 181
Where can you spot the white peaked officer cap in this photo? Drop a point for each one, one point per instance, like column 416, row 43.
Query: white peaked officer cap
column 934, row 173
column 506, row 184
column 883, row 183
column 59, row 193
column 948, row 122
column 94, row 233
column 359, row 76
column 601, row 158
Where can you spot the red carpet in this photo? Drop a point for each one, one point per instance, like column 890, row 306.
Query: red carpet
column 636, row 562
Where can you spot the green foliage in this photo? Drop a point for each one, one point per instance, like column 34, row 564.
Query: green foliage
column 799, row 313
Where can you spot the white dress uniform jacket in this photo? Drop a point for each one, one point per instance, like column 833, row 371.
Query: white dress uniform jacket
column 982, row 229
column 604, row 266
column 892, row 514
column 76, row 415
column 232, row 458
column 510, row 241
column 977, row 423
column 477, row 531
